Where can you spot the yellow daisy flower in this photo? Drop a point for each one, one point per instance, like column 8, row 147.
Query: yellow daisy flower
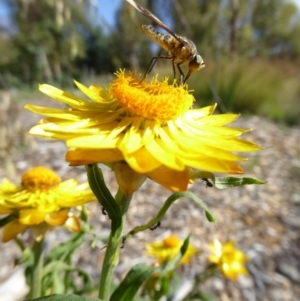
column 149, row 126
column 41, row 201
column 229, row 260
column 168, row 248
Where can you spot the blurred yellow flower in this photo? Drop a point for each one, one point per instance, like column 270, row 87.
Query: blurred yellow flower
column 229, row 260
column 168, row 248
column 41, row 201
column 150, row 126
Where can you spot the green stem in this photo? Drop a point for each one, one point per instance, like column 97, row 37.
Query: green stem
column 38, row 263
column 19, row 243
column 111, row 257
column 209, row 272
column 110, row 262
column 116, row 209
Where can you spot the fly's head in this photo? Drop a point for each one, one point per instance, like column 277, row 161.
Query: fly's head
column 195, row 64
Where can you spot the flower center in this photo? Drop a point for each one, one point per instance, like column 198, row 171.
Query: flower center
column 156, row 100
column 171, row 242
column 40, row 178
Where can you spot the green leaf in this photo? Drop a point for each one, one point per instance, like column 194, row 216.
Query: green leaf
column 208, row 214
column 204, row 297
column 132, row 282
column 103, row 195
column 57, row 271
column 27, row 257
column 84, row 214
column 229, row 182
column 163, row 210
column 56, row 265
column 64, row 250
column 60, row 276
column 64, row 298
column 58, row 284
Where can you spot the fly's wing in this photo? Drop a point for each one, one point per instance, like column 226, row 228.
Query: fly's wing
column 153, row 18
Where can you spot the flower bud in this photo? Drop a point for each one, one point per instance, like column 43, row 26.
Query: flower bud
column 128, row 180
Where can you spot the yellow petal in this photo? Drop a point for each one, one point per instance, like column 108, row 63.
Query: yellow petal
column 88, row 92
column 57, row 218
column 5, row 210
column 159, row 151
column 73, row 224
column 86, row 156
column 7, row 187
column 58, row 114
column 61, row 96
column 12, row 229
column 31, row 216
column 170, row 178
column 200, row 113
column 142, row 161
column 132, row 140
column 214, row 165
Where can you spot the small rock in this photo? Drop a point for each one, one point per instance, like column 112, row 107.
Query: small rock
column 289, row 270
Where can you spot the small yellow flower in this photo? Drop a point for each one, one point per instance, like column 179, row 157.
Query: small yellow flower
column 168, row 248
column 41, row 201
column 229, row 260
column 149, row 126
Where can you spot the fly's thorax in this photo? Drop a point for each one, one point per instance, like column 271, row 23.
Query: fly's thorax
column 189, row 45
column 183, row 51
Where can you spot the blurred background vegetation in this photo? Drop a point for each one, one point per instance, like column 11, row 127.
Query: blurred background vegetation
column 251, row 48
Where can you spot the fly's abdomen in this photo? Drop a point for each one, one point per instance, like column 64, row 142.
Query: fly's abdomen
column 166, row 41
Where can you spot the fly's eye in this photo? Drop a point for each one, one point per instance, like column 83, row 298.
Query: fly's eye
column 196, row 63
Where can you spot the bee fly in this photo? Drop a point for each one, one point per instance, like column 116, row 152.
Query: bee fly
column 180, row 49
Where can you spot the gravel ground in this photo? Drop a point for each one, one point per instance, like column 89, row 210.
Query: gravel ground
column 263, row 220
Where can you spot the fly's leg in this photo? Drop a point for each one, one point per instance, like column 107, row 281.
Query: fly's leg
column 151, row 65
column 174, row 70
column 181, row 76
column 187, row 76
column 154, row 60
